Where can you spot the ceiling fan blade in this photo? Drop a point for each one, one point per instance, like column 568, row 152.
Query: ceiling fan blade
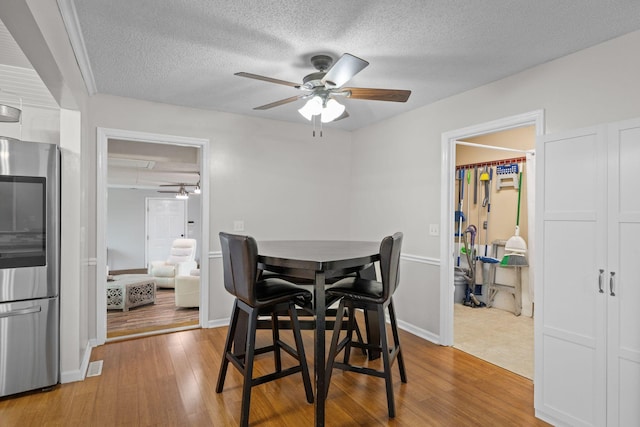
column 395, row 95
column 267, row 79
column 343, row 70
column 278, row 103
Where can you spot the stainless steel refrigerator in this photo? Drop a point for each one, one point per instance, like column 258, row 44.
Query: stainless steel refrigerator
column 29, row 266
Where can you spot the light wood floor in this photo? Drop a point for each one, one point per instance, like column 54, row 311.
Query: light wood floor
column 169, row 380
column 152, row 317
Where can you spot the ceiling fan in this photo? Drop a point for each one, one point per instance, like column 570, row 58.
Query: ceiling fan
column 321, row 87
column 182, row 192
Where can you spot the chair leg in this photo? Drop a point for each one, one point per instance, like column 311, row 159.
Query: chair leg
column 385, row 361
column 350, row 326
column 360, row 339
column 227, row 347
column 396, row 340
column 275, row 333
column 297, row 336
column 248, row 367
column 334, row 344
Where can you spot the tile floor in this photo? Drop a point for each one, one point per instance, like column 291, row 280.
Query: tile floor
column 496, row 336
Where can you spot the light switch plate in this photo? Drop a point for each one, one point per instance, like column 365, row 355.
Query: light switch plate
column 434, row 229
column 238, row 225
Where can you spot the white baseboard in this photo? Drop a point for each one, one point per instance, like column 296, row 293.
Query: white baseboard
column 78, row 374
column 217, row 323
column 429, row 336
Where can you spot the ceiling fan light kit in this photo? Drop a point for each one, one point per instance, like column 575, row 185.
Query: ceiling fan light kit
column 329, row 110
column 182, row 193
column 322, row 85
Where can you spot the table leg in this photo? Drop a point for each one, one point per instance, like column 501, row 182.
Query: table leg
column 319, row 361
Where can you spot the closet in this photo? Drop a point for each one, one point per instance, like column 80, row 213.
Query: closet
column 587, row 361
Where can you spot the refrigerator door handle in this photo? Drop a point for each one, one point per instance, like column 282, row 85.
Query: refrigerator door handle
column 36, row 309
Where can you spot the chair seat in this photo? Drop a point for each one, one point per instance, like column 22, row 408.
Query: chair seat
column 272, row 291
column 358, row 289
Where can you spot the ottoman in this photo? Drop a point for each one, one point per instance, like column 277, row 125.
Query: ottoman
column 127, row 293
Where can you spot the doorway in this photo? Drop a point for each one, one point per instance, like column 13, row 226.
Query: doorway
column 448, row 201
column 493, row 316
column 148, row 186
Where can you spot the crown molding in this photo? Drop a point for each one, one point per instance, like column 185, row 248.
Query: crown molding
column 72, row 24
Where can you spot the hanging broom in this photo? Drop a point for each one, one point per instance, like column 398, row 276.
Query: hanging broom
column 515, row 250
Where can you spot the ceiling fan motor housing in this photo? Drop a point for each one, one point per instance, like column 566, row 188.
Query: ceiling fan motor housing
column 321, row 62
column 313, row 80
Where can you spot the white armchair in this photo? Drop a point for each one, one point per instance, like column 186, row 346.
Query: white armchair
column 188, row 290
column 180, row 263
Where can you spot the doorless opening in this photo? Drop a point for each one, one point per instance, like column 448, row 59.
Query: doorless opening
column 447, row 249
column 104, row 136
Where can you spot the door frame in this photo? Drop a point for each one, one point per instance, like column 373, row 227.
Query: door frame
column 102, row 140
column 447, row 186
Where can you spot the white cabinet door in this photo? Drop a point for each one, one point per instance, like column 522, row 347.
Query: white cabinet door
column 623, row 288
column 570, row 371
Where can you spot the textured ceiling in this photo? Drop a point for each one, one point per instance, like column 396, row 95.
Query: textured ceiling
column 186, row 52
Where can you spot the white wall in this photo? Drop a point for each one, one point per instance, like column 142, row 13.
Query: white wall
column 396, row 163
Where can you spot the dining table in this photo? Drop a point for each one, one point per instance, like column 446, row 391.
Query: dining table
column 319, row 261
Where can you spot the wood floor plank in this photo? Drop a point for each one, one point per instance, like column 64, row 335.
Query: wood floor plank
column 170, row 380
column 163, row 314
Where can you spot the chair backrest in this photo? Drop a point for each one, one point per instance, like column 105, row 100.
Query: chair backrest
column 182, row 250
column 240, row 266
column 390, row 264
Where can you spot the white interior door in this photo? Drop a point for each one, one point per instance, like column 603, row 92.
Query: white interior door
column 623, row 288
column 166, row 221
column 570, row 371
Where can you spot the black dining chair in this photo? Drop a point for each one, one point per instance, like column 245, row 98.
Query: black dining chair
column 371, row 295
column 258, row 297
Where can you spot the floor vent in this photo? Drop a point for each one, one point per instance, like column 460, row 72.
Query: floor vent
column 95, row 368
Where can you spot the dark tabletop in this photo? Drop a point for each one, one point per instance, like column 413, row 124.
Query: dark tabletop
column 317, row 255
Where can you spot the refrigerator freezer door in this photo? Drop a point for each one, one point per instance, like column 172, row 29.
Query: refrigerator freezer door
column 29, row 345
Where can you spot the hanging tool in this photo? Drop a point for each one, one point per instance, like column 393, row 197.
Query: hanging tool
column 459, row 215
column 470, row 276
column 484, row 178
column 486, row 260
column 486, row 227
column 469, row 189
column 475, row 185
column 507, row 176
